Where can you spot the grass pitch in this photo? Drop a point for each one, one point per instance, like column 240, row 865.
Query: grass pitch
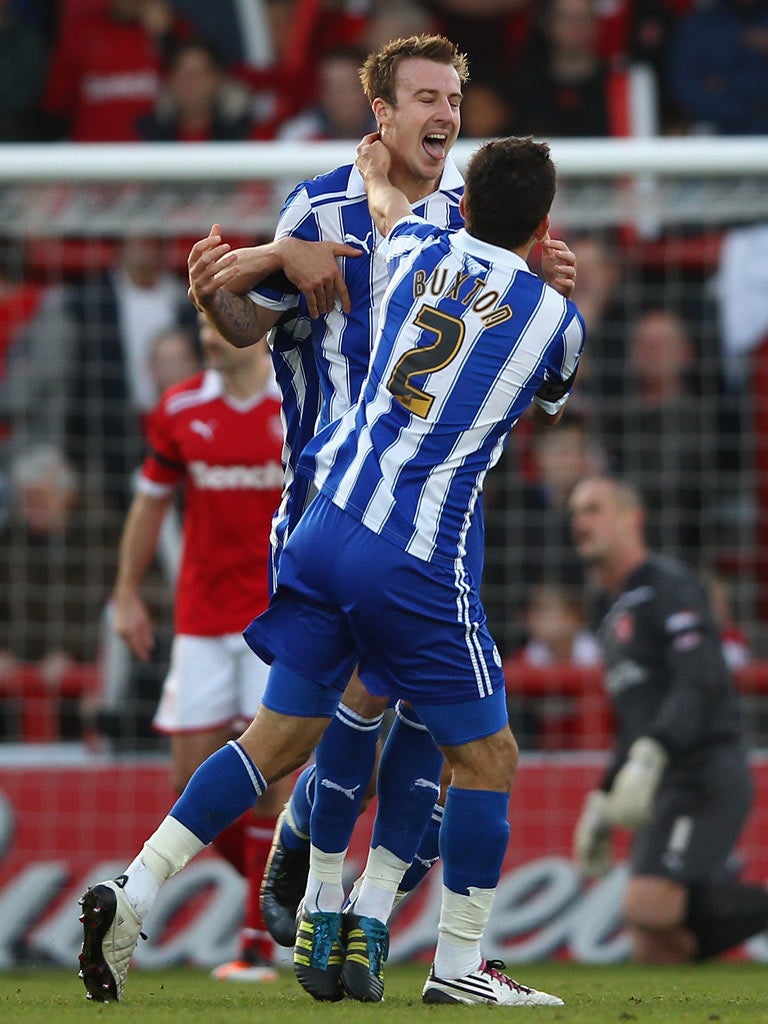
column 727, row 993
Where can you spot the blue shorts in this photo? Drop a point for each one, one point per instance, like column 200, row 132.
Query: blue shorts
column 299, row 500
column 348, row 596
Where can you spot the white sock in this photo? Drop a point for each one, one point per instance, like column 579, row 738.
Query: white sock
column 383, row 874
column 454, row 960
column 164, row 854
column 324, row 889
column 462, row 923
column 141, row 888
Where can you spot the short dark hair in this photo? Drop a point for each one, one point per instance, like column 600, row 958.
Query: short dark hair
column 510, row 185
column 378, row 75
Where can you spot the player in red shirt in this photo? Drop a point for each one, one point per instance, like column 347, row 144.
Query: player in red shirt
column 219, row 434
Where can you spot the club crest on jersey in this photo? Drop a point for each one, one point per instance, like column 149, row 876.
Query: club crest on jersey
column 624, row 628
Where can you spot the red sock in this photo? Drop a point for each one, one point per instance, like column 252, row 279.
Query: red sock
column 232, row 843
column 258, row 841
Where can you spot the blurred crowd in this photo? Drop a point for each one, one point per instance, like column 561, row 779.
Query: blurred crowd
column 190, row 70
column 664, row 392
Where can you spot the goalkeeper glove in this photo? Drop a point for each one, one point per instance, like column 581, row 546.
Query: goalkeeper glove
column 634, row 788
column 592, row 837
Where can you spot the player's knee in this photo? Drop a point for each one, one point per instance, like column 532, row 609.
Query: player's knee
column 489, row 763
column 501, row 763
column 654, row 904
column 359, row 700
column 278, row 743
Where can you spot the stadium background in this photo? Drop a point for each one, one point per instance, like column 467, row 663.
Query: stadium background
column 668, row 217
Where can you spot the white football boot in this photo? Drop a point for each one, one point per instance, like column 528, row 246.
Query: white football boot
column 488, row 984
column 111, row 929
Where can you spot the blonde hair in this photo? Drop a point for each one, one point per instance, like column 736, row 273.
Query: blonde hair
column 379, row 71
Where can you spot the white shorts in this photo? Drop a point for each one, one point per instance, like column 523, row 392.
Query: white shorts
column 212, row 681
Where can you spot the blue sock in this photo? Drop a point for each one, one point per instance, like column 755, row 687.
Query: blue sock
column 302, row 798
column 226, row 785
column 408, row 785
column 428, row 853
column 345, row 757
column 473, row 838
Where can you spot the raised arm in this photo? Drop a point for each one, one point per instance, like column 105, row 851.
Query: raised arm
column 215, row 268
column 212, row 266
column 387, row 204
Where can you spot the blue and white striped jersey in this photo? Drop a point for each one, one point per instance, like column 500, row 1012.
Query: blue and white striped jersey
column 321, row 364
column 468, row 338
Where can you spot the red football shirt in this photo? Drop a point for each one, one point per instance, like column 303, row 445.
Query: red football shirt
column 227, row 454
column 104, row 75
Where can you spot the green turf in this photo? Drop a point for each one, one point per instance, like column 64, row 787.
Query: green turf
column 723, row 992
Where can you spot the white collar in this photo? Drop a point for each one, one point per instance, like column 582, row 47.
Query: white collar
column 451, row 179
column 465, row 242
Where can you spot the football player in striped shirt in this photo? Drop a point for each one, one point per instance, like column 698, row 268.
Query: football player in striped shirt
column 320, row 363
column 421, row 104
column 414, row 86
column 376, row 571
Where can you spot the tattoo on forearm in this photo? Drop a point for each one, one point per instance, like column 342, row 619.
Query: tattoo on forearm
column 237, row 318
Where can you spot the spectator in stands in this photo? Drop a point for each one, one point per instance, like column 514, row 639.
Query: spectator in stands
column 106, row 70
column 492, row 32
column 677, row 777
column 561, row 85
column 740, row 295
column 485, row 110
column 35, row 350
column 556, row 628
column 527, row 521
column 342, row 110
column 737, row 649
column 556, row 634
column 23, row 57
column 741, row 286
column 396, row 19
column 198, row 102
column 605, row 299
column 271, row 45
column 718, row 67
column 664, row 436
column 117, row 315
column 640, row 32
column 248, row 34
column 56, row 563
